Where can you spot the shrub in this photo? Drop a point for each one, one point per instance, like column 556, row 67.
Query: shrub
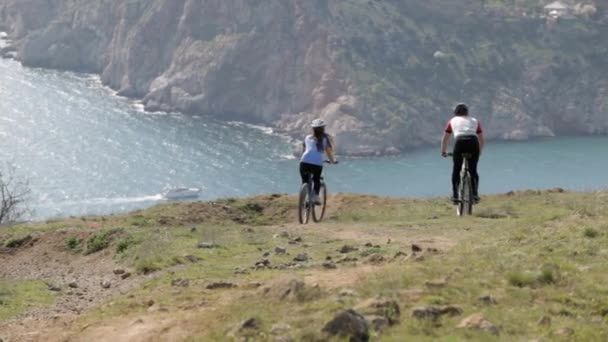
column 72, row 243
column 546, row 276
column 124, row 244
column 18, row 242
column 253, row 207
column 147, row 267
column 522, row 279
column 98, row 242
column 590, row 233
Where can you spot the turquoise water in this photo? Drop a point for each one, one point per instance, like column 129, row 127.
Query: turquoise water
column 86, row 151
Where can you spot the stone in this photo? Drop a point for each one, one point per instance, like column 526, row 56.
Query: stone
column 381, row 307
column 207, row 245
column 179, row 282
column 53, row 288
column 399, row 254
column 253, row 285
column 262, row 263
column 433, row 312
column 416, row 248
column 347, row 293
column 544, row 321
column 150, row 302
column 137, row 322
column 266, row 254
column 345, row 259
column 280, row 328
column 301, row 258
column 369, row 245
column 488, row 300
column 597, row 319
column 192, row 258
column 119, row 271
column 348, row 249
column 289, row 288
column 348, row 324
column 125, row 276
column 247, row 327
column 240, row 270
column 106, row 284
column 280, row 250
column 478, row 322
column 329, row 265
column 564, row 332
column 295, row 241
column 281, row 333
column 220, row 285
column 435, row 284
column 284, row 235
column 375, row 259
column 73, row 285
column 377, row 323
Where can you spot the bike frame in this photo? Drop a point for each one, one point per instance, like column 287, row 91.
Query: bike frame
column 464, row 173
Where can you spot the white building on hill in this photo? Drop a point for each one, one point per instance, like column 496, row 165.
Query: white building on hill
column 558, row 9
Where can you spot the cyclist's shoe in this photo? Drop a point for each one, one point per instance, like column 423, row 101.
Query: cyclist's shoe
column 476, row 199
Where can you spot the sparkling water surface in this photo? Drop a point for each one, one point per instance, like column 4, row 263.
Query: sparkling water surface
column 86, row 151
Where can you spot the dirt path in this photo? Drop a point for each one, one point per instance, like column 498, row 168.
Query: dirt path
column 49, row 261
column 75, row 279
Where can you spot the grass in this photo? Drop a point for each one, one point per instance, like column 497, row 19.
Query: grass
column 535, row 252
column 17, row 297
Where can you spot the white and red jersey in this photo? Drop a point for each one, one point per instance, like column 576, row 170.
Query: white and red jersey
column 463, row 126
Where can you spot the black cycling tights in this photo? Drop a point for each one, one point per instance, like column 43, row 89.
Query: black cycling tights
column 316, row 171
column 470, row 145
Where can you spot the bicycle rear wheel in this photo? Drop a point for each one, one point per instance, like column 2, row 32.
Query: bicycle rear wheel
column 303, row 204
column 318, row 211
column 470, row 199
column 460, row 208
column 465, row 204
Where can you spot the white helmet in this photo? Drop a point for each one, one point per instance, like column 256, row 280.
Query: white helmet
column 318, row 123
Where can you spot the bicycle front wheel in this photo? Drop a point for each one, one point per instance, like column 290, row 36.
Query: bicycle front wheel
column 303, row 204
column 318, row 211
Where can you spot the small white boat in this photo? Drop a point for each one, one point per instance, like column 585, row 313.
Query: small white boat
column 182, row 193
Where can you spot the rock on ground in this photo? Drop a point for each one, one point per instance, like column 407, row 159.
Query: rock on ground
column 479, row 322
column 348, row 324
column 433, row 312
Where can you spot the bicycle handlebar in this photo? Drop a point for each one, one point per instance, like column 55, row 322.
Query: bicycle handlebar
column 464, row 155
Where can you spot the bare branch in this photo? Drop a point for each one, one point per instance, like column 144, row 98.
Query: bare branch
column 14, row 194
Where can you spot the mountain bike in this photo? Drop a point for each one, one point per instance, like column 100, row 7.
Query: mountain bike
column 307, row 206
column 465, row 188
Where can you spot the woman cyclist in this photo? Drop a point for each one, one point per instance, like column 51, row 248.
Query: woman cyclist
column 468, row 137
column 315, row 147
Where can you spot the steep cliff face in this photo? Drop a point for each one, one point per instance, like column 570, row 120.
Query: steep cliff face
column 385, row 74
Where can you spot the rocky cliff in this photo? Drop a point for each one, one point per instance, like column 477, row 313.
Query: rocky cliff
column 385, row 74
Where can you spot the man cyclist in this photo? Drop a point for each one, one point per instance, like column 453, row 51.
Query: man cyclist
column 469, row 139
column 315, row 147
